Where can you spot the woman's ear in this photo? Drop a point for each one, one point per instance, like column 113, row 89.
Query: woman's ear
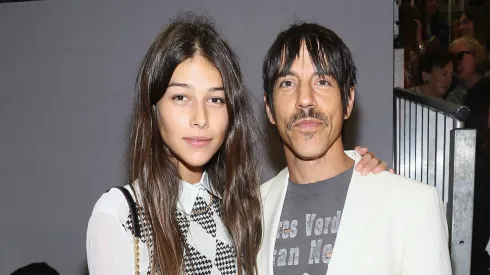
column 425, row 77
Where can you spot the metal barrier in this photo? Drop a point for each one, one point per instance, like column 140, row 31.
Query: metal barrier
column 431, row 146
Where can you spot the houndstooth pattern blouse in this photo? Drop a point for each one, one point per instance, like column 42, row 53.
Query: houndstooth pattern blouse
column 208, row 246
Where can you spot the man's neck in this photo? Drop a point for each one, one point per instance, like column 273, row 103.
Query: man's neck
column 334, row 162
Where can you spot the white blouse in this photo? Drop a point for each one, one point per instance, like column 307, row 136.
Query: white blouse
column 208, row 246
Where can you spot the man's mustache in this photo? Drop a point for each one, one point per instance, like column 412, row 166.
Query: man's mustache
column 308, row 113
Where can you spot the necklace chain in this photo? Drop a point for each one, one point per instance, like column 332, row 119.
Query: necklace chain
column 201, row 211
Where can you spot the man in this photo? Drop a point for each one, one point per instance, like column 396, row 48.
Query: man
column 319, row 213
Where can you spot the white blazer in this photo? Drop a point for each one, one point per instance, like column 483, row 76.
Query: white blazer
column 389, row 225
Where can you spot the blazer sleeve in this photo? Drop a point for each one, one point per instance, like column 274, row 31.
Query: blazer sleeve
column 109, row 249
column 427, row 247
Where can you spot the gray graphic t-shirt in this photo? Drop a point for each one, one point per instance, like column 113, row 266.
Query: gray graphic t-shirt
column 308, row 227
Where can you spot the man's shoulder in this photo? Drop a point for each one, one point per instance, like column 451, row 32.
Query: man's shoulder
column 385, row 184
column 264, row 188
column 266, row 185
column 393, row 185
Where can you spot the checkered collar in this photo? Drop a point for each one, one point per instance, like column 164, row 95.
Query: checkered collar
column 189, row 192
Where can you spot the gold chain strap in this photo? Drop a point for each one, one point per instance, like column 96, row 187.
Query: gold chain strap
column 136, row 256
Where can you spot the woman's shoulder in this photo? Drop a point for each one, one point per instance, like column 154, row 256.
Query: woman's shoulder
column 415, row 89
column 480, row 89
column 485, row 81
column 113, row 203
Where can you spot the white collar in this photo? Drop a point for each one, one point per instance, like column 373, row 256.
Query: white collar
column 189, row 192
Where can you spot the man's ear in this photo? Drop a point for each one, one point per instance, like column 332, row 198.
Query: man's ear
column 350, row 102
column 268, row 111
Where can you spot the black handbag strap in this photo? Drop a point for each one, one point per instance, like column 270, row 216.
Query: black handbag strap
column 133, row 211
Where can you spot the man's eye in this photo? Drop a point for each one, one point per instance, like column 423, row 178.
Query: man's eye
column 323, row 82
column 286, row 83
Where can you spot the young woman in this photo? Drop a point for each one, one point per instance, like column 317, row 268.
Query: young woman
column 193, row 167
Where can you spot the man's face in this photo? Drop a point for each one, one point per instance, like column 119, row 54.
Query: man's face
column 308, row 109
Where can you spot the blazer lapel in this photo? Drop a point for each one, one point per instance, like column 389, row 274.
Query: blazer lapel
column 352, row 229
column 272, row 209
column 350, row 236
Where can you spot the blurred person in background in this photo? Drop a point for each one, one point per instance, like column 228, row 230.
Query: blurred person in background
column 472, row 66
column 475, row 22
column 435, row 70
column 433, row 28
column 478, row 101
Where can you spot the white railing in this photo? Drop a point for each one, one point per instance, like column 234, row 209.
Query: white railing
column 432, row 146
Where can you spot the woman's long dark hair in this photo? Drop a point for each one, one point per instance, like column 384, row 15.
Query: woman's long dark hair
column 233, row 170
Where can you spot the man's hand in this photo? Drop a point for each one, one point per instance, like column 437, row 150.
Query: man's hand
column 369, row 163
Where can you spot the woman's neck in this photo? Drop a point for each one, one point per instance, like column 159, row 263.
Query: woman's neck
column 427, row 90
column 190, row 174
column 472, row 80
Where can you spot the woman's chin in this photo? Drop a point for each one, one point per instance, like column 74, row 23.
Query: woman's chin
column 195, row 162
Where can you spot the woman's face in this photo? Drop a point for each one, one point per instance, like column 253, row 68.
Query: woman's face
column 432, row 6
column 466, row 60
column 465, row 26
column 440, row 79
column 192, row 114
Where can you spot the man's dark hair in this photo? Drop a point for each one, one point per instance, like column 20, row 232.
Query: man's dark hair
column 329, row 54
column 36, row 269
column 433, row 59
